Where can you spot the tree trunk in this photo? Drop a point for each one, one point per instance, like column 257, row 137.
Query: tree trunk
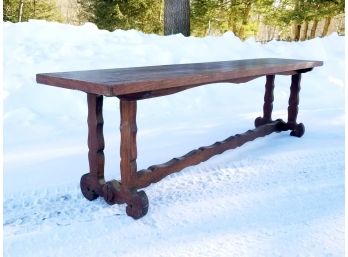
column 305, row 31
column 241, row 32
column 177, row 17
column 20, row 10
column 268, row 33
column 297, row 26
column 235, row 29
column 340, row 26
column 161, row 12
column 297, row 32
column 246, row 13
column 34, row 9
column 326, row 26
column 209, row 29
column 314, row 28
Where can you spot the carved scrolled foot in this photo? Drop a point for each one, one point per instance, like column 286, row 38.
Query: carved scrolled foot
column 282, row 125
column 112, row 192
column 137, row 202
column 89, row 186
column 259, row 121
column 138, row 205
column 298, row 131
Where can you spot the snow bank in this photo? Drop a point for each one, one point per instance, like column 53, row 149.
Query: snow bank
column 36, row 113
column 45, row 151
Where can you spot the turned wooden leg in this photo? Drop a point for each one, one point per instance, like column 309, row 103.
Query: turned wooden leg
column 294, row 99
column 121, row 192
column 268, row 102
column 92, row 183
column 128, row 148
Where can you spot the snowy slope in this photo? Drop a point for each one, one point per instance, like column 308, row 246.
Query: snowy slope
column 276, row 196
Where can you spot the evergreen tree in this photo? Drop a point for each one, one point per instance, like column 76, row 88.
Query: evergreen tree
column 144, row 15
column 296, row 15
column 23, row 10
column 207, row 17
column 291, row 19
column 218, row 16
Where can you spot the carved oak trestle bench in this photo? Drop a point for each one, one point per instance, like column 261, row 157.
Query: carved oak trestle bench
column 133, row 84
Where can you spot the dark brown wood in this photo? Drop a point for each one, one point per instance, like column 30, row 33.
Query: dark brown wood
column 125, row 81
column 128, row 150
column 132, row 84
column 268, row 102
column 137, row 201
column 152, row 94
column 294, row 100
column 96, row 142
column 268, row 98
column 163, row 92
column 155, row 173
column 138, row 206
column 293, row 72
column 116, row 192
column 92, row 183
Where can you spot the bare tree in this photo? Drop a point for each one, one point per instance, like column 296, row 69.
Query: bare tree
column 177, row 17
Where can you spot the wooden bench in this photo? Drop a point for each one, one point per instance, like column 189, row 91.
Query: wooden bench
column 133, row 84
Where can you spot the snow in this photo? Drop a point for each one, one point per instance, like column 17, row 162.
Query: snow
column 275, row 196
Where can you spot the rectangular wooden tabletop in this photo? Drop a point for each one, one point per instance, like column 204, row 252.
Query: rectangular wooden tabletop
column 125, row 81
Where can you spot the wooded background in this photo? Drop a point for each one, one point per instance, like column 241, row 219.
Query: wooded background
column 289, row 20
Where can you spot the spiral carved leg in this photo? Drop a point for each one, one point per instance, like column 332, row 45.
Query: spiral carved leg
column 268, row 103
column 92, row 183
column 297, row 129
column 90, row 186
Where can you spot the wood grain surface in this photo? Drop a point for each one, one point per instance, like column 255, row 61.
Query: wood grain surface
column 126, row 81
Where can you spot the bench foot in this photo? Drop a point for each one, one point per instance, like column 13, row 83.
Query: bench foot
column 259, row 121
column 112, row 193
column 137, row 202
column 298, row 131
column 138, row 205
column 281, row 125
column 90, row 186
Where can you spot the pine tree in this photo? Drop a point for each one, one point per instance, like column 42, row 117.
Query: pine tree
column 207, row 17
column 218, row 16
column 23, row 10
column 143, row 15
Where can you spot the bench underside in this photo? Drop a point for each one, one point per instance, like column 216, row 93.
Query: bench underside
column 155, row 173
column 126, row 191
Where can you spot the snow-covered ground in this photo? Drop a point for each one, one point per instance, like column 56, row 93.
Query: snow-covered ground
column 276, row 196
